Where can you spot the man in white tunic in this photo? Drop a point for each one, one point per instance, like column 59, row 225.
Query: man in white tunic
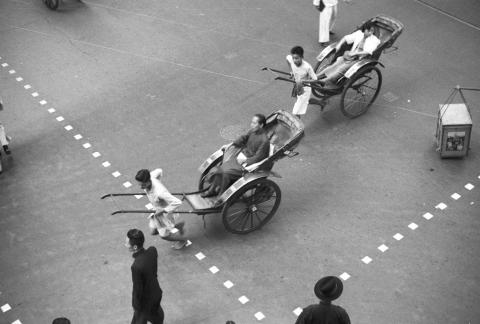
column 301, row 71
column 326, row 20
column 363, row 42
column 162, row 222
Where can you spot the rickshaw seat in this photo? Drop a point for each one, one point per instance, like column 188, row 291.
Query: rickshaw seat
column 199, row 202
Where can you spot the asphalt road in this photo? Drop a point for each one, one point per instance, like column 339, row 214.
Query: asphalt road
column 156, row 84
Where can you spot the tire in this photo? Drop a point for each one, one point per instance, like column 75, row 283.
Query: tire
column 361, row 91
column 251, row 207
column 52, row 4
column 319, row 67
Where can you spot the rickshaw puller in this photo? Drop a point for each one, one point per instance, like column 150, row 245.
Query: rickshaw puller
column 162, row 222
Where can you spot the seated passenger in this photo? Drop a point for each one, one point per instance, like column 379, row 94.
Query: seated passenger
column 248, row 149
column 364, row 43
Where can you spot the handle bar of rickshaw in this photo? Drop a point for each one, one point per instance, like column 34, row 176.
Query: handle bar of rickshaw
column 275, row 70
column 144, row 194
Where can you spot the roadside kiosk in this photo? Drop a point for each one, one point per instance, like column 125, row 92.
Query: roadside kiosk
column 454, row 126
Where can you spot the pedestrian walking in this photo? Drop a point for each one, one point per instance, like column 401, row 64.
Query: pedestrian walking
column 326, row 289
column 328, row 14
column 162, row 222
column 146, row 293
column 301, row 71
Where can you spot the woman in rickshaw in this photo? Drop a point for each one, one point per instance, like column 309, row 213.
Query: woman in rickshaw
column 246, row 150
column 364, row 43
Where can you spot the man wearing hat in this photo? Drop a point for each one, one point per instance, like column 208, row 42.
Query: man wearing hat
column 326, row 289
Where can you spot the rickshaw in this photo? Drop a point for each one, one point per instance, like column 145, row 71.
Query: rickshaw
column 251, row 201
column 360, row 85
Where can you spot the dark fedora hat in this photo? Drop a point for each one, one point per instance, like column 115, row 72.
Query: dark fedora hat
column 328, row 288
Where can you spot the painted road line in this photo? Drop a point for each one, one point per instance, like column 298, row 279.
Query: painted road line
column 345, row 276
column 174, row 230
column 17, row 322
column 469, row 186
column 51, row 110
column 367, row 259
column 383, row 248
column 60, row 118
column 19, row 79
column 188, row 243
column 4, row 64
column 259, row 316
column 149, row 206
column 87, row 145
column 228, row 284
column 127, row 184
column 214, row 269
column 471, row 203
column 413, row 226
column 441, row 206
column 427, row 216
column 116, row 174
column 78, row 136
column 27, row 86
column 297, row 311
column 200, row 256
column 106, row 164
column 138, row 196
column 68, row 127
column 455, row 196
column 96, row 154
column 6, row 308
column 35, row 94
column 243, row 299
column 398, row 236
column 12, row 72
column 42, row 102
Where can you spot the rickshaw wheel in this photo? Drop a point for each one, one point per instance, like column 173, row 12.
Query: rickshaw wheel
column 52, row 4
column 361, row 91
column 251, row 206
column 320, row 66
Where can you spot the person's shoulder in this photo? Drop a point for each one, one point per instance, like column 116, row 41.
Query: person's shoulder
column 289, row 58
column 152, row 250
column 307, row 65
column 156, row 174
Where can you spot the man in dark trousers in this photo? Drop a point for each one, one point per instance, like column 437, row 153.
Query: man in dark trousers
column 326, row 289
column 146, row 294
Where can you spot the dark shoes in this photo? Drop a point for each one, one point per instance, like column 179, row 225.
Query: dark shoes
column 324, row 44
column 212, row 191
column 6, row 150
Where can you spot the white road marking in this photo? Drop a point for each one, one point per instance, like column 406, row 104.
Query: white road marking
column 471, row 203
column 12, row 72
column 455, row 196
column 127, row 184
column 188, row 243
column 441, row 206
column 17, row 322
column 106, row 164
column 243, row 299
column 27, row 86
column 51, row 110
column 345, row 276
column 42, row 102
column 35, row 94
column 297, row 311
column 214, row 269
column 383, row 248
column 413, row 226
column 427, row 216
column 116, row 174
column 469, row 186
column 138, row 196
column 149, row 206
column 96, row 154
column 78, row 136
column 259, row 316
column 200, row 256
column 367, row 259
column 228, row 284
column 5, row 64
column 68, row 127
column 19, row 79
column 398, row 236
column 60, row 118
column 6, row 308
column 87, row 145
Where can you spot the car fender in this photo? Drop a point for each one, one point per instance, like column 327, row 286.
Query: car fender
column 357, row 66
column 240, row 183
column 327, row 50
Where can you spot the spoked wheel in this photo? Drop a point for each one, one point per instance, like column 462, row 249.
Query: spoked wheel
column 361, row 91
column 52, row 4
column 320, row 66
column 251, row 207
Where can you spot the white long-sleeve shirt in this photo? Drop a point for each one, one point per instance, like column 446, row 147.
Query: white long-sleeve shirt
column 159, row 196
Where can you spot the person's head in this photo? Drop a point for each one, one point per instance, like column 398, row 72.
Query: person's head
column 368, row 28
column 61, row 320
column 134, row 240
column 143, row 179
column 297, row 55
column 258, row 121
column 328, row 288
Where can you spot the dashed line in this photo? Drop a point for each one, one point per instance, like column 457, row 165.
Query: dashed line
column 149, row 206
column 367, row 259
column 200, row 256
column 441, row 206
column 383, row 248
column 78, row 136
column 19, row 79
column 12, row 72
column 68, row 127
column 17, row 322
column 42, row 102
column 228, row 284
column 27, row 86
column 87, row 145
column 398, row 236
column 413, row 226
column 35, row 94
column 138, row 196
column 116, row 174
column 6, row 308
column 60, row 118
column 455, row 196
column 427, row 216
column 243, row 300
column 188, row 243
column 127, row 184
column 469, row 186
column 5, row 64
column 96, row 154
column 106, row 164
column 345, row 276
column 297, row 311
column 51, row 110
column 214, row 269
column 259, row 316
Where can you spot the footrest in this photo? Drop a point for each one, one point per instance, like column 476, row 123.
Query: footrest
column 198, row 202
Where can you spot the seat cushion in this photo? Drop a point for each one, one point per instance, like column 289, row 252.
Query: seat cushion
column 198, row 202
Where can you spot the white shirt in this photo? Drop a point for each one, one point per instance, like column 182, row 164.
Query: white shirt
column 371, row 42
column 303, row 72
column 327, row 3
column 159, row 196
